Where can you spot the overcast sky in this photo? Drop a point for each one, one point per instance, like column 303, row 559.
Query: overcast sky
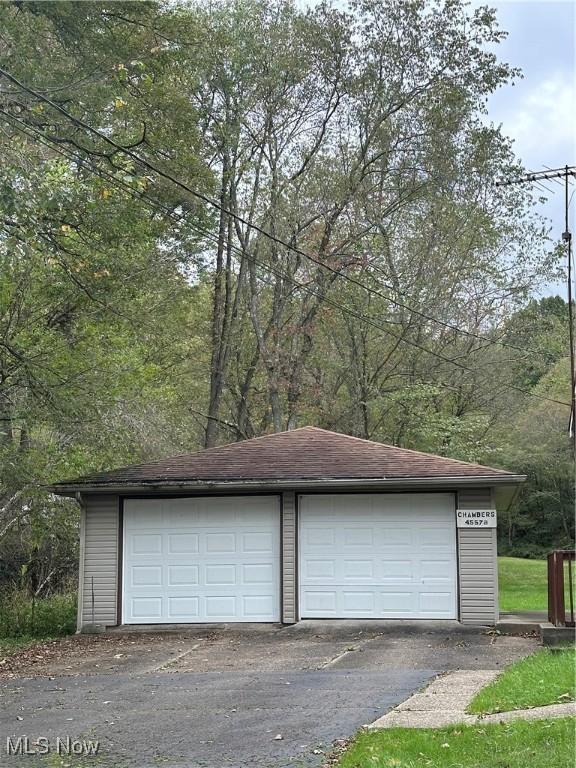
column 539, row 112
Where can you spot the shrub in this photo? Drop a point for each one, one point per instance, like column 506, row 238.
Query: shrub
column 24, row 616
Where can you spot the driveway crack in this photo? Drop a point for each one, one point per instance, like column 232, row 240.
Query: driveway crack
column 359, row 646
column 166, row 664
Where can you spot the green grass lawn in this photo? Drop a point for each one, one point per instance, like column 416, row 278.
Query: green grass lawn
column 541, row 743
column 523, row 584
column 546, row 677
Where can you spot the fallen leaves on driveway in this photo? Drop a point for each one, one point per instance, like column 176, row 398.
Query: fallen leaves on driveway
column 64, row 654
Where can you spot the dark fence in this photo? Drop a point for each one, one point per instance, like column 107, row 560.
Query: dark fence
column 561, row 587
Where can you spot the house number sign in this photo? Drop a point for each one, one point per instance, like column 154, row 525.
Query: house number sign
column 476, row 518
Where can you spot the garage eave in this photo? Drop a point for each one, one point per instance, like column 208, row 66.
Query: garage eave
column 182, row 486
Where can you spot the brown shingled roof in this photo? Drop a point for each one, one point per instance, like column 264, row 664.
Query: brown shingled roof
column 307, row 454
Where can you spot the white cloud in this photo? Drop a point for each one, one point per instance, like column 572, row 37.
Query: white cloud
column 541, row 119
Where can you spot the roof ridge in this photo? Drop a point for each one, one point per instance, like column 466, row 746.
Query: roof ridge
column 409, row 450
column 425, row 453
column 250, row 440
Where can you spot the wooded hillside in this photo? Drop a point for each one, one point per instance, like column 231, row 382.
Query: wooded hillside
column 221, row 220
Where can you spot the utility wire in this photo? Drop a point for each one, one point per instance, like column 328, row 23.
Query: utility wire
column 213, row 203
column 278, row 273
column 153, row 204
column 370, row 321
column 451, row 326
column 301, row 286
column 534, row 177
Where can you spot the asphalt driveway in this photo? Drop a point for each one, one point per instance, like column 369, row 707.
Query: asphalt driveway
column 236, row 696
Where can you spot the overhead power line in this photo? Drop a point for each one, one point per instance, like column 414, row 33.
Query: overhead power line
column 213, row 203
column 282, row 275
column 158, row 206
column 301, row 286
column 534, row 177
column 307, row 289
column 458, row 329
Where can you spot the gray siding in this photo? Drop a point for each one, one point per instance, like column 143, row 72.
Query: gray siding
column 477, row 563
column 100, row 555
column 289, row 558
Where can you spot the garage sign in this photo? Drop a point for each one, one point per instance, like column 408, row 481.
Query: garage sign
column 476, row 518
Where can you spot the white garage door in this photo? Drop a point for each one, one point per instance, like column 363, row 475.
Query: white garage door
column 378, row 556
column 201, row 560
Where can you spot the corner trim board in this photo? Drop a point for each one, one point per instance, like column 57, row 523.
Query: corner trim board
column 81, row 563
column 120, row 576
column 281, row 581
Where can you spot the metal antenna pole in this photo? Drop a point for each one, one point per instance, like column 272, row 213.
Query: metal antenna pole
column 567, row 237
column 534, row 177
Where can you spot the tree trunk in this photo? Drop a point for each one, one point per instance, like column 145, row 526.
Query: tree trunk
column 217, row 373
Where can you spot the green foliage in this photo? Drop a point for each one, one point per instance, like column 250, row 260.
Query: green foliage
column 95, row 304
column 137, row 322
column 543, row 325
column 546, row 677
column 536, row 443
column 24, row 616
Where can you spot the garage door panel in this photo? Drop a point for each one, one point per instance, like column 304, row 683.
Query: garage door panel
column 257, row 542
column 320, row 537
column 435, row 602
column 150, row 516
column 258, row 573
column 257, row 606
column 183, row 606
column 184, row 543
column 220, row 575
column 218, row 607
column 222, row 567
column 319, row 601
column 435, row 538
column 219, row 543
column 358, row 537
column 145, row 607
column 183, row 575
column 398, row 603
column 377, row 556
column 319, row 569
column 358, row 602
column 146, row 544
column 176, row 512
column 395, row 534
column 353, row 570
column 437, row 570
column 397, row 570
column 146, row 575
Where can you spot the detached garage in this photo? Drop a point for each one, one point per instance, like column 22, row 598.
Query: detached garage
column 297, row 525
